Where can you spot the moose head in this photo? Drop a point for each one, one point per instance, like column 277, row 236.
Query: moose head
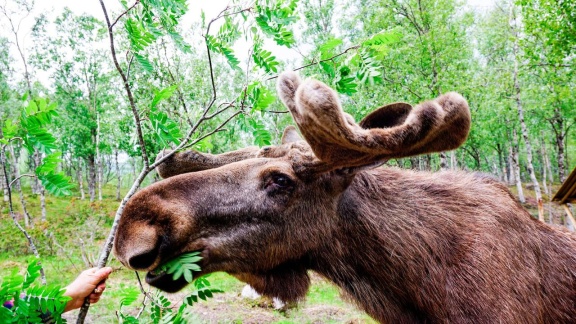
column 267, row 216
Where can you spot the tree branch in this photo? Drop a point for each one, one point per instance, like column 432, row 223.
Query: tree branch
column 124, row 13
column 126, row 87
column 21, row 176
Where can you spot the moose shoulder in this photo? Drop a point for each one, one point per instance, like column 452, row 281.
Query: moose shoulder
column 405, row 246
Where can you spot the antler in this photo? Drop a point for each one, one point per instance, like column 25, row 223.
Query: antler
column 192, row 161
column 392, row 131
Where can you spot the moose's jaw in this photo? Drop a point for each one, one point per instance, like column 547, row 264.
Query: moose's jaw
column 242, row 234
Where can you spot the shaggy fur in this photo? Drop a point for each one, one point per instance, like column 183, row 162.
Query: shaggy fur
column 407, row 247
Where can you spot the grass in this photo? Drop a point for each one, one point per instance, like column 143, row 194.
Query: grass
column 69, row 241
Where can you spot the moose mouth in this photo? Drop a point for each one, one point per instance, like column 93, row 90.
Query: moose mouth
column 164, row 281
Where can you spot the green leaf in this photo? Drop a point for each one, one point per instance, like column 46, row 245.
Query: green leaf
column 57, row 184
column 259, row 96
column 49, row 163
column 144, row 63
column 182, row 265
column 327, row 49
column 165, row 129
column 32, row 273
column 265, row 60
column 162, row 95
column 344, row 83
column 128, row 296
column 385, row 37
column 9, row 129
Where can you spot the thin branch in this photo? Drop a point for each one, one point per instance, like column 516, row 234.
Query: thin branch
column 126, row 86
column 129, row 67
column 178, row 90
column 403, row 86
column 147, row 294
column 217, row 129
column 219, row 111
column 21, row 176
column 124, row 13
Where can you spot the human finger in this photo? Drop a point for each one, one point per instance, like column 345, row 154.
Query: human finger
column 100, row 288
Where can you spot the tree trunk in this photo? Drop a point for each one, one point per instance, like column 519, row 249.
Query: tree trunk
column 18, row 186
column 443, row 161
column 523, row 127
column 3, row 180
column 453, row 160
column 557, row 123
column 547, row 176
column 516, row 166
column 511, row 169
column 43, row 203
column 91, row 177
column 36, row 161
column 98, row 158
column 80, row 180
column 118, row 177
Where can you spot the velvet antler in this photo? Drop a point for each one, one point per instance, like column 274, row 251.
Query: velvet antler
column 192, row 161
column 393, row 131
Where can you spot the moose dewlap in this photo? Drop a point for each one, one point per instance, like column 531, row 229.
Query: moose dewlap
column 406, row 246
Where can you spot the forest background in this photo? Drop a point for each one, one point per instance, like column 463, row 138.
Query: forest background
column 82, row 121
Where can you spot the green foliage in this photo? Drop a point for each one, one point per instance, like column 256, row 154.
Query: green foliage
column 32, row 302
column 183, row 265
column 161, row 309
column 274, row 17
column 265, row 60
column 165, row 129
column 259, row 97
column 32, row 129
column 155, row 19
column 220, row 47
column 553, row 23
column 361, row 64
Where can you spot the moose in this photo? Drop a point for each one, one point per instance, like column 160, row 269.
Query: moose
column 406, row 246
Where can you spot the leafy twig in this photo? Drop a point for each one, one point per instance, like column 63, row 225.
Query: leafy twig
column 124, row 13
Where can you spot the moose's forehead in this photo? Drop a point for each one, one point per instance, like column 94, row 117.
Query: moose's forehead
column 294, row 152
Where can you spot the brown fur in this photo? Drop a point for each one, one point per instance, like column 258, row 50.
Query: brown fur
column 406, row 246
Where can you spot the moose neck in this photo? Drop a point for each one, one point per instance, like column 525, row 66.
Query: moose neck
column 384, row 256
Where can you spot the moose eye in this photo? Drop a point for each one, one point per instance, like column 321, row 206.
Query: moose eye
column 281, row 180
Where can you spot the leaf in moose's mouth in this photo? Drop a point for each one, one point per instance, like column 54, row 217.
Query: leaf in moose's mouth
column 182, row 265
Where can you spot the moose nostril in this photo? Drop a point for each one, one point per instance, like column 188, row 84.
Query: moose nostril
column 143, row 260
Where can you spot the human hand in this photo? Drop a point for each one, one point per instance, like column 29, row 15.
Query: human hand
column 89, row 283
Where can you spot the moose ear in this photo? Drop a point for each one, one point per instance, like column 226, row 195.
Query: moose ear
column 290, row 135
column 387, row 116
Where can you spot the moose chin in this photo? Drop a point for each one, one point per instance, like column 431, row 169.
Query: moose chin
column 405, row 246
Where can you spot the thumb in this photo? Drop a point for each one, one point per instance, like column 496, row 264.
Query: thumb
column 102, row 273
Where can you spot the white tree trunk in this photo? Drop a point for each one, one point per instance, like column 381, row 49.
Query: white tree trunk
column 18, row 186
column 80, row 180
column 118, row 176
column 98, row 158
column 516, row 166
column 91, row 178
column 547, row 177
column 453, row 161
column 523, row 127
